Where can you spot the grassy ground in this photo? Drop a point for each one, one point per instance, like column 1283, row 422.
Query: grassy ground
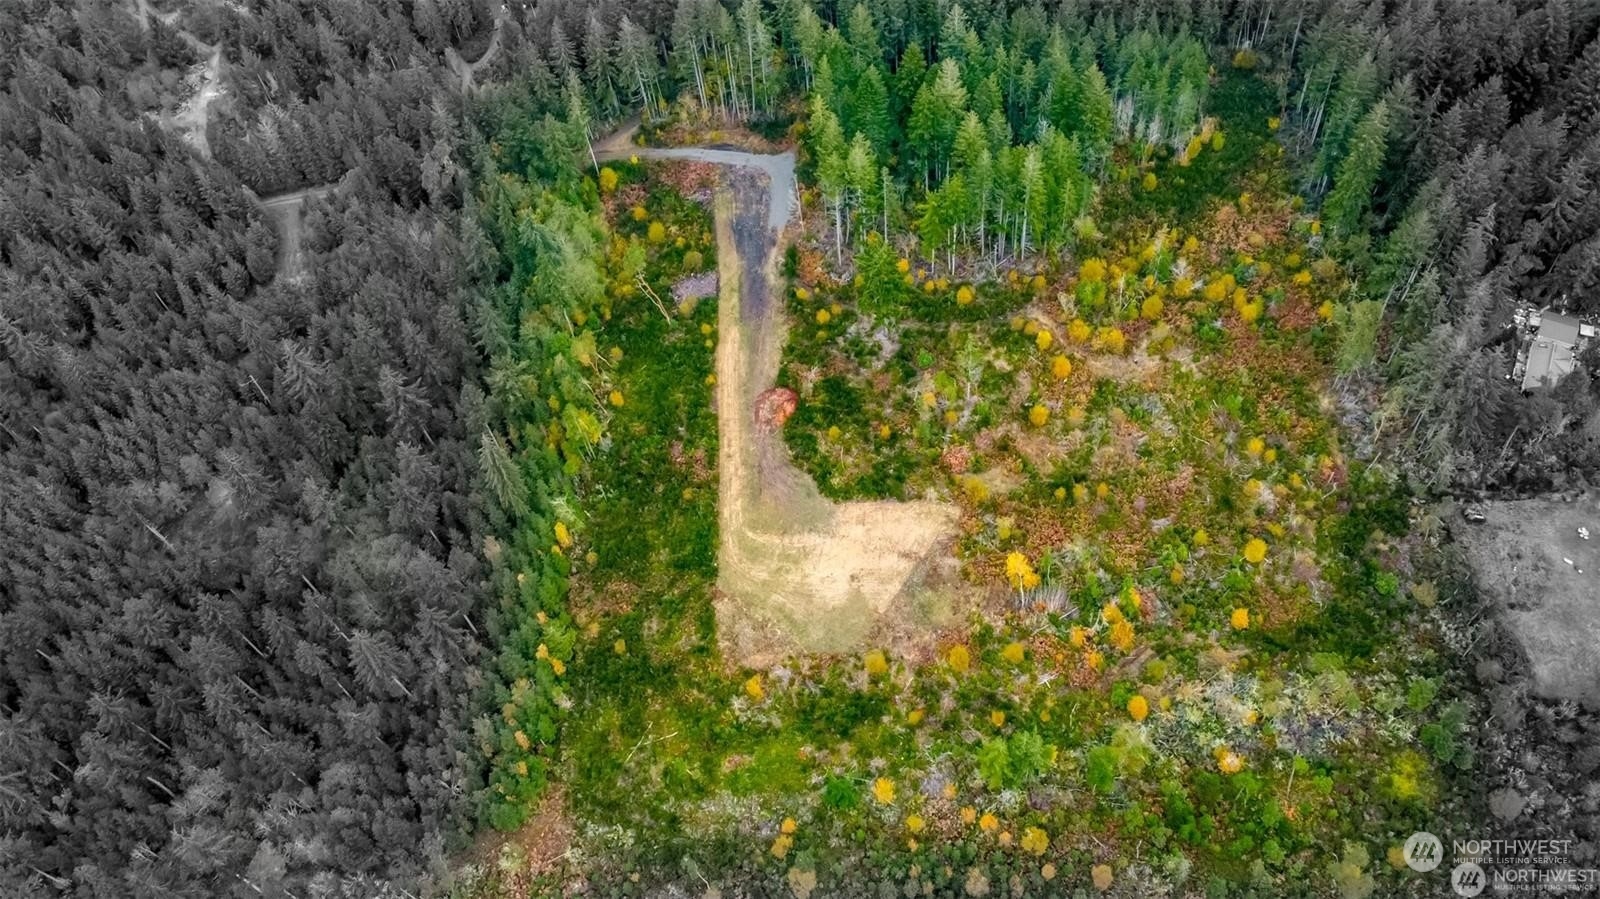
column 1529, row 556
column 1205, row 657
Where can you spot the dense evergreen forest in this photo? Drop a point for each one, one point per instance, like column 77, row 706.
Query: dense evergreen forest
column 297, row 400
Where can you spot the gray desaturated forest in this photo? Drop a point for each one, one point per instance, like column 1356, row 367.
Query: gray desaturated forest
column 253, row 628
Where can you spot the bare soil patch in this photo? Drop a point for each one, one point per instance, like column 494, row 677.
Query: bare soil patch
column 795, row 571
column 193, row 115
column 1545, row 580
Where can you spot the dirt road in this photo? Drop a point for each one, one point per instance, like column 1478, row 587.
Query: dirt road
column 468, row 71
column 287, row 211
column 193, row 115
column 795, row 571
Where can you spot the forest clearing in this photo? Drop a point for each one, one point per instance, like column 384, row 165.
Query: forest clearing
column 1539, row 559
column 1121, row 478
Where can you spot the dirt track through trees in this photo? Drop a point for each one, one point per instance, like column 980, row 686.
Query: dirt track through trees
column 193, row 115
column 468, row 71
column 795, row 571
column 288, row 212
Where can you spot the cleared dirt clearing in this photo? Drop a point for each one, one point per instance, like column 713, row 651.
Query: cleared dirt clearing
column 1545, row 578
column 795, row 571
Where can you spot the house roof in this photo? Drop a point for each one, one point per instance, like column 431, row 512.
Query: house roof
column 1561, row 328
column 1548, row 360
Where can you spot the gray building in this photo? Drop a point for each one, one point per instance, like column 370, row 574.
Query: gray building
column 1553, row 352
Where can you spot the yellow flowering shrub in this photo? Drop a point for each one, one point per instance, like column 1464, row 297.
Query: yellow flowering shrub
column 1229, row 762
column 1013, row 653
column 1093, row 269
column 1043, row 339
column 754, row 689
column 959, row 658
column 1061, row 367
column 876, row 663
column 964, row 296
column 883, row 791
column 1396, row 856
column 1240, row 619
column 1019, row 572
column 1255, row 550
column 1138, row 708
column 1038, row 416
column 1110, row 340
column 1035, row 841
column 608, row 180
